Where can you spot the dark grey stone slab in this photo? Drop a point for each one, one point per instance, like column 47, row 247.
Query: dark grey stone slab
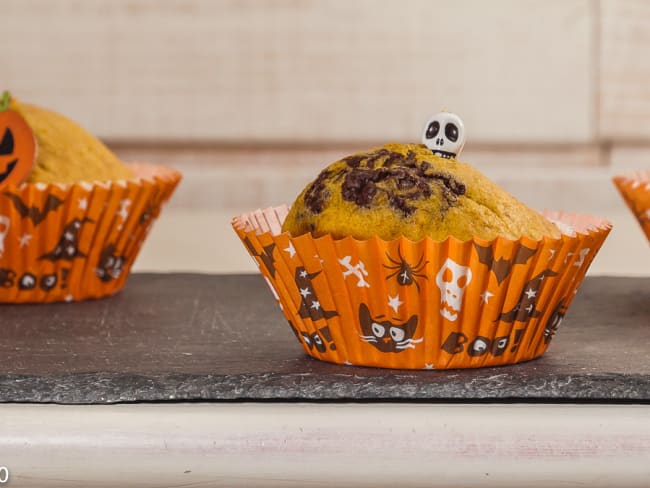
column 207, row 337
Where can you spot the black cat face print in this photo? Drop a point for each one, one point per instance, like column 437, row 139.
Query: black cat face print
column 386, row 335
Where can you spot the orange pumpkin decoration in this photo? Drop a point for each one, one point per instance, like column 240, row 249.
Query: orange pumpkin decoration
column 17, row 145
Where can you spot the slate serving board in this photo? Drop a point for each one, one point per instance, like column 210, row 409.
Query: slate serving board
column 172, row 337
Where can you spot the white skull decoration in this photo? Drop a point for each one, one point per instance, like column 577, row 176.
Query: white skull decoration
column 444, row 134
column 452, row 288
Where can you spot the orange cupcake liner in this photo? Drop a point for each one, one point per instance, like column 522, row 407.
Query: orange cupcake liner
column 78, row 241
column 426, row 304
column 635, row 190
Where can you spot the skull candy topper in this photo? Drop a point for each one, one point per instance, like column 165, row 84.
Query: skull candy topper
column 444, row 134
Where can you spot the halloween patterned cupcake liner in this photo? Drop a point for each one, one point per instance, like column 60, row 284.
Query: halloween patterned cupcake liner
column 425, row 304
column 635, row 190
column 78, row 241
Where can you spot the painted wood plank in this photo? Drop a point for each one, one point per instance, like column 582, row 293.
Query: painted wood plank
column 250, row 177
column 629, row 157
column 292, row 445
column 303, row 70
column 624, row 71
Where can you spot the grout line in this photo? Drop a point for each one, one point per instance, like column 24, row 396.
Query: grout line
column 597, row 72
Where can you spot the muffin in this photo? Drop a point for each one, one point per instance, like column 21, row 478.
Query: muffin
column 635, row 190
column 405, row 190
column 72, row 215
column 67, row 153
column 402, row 257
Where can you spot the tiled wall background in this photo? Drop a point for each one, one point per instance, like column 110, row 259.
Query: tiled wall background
column 249, row 98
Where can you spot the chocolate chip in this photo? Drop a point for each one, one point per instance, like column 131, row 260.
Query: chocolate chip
column 373, row 157
column 400, row 177
column 451, row 183
column 394, row 158
column 368, row 192
column 406, row 183
column 317, row 194
column 354, row 161
column 359, row 186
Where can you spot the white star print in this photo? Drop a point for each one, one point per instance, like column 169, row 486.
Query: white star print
column 485, row 296
column 24, row 240
column 428, row 366
column 529, row 308
column 347, row 363
column 568, row 255
column 291, row 250
column 304, row 292
column 320, row 259
column 315, row 305
column 530, row 293
column 552, row 254
column 82, row 203
column 69, row 298
column 394, row 302
column 303, row 273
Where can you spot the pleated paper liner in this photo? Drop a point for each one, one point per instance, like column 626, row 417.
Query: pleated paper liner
column 79, row 241
column 426, row 304
column 635, row 190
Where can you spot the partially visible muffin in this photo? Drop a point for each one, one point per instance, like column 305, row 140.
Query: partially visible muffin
column 404, row 190
column 67, row 153
column 76, row 218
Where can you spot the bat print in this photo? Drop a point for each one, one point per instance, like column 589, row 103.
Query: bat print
column 34, row 213
column 501, row 267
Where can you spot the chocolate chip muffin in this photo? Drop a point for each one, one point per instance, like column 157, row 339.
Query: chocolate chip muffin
column 405, row 190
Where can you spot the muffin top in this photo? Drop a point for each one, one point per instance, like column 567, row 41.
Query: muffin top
column 405, row 190
column 67, row 153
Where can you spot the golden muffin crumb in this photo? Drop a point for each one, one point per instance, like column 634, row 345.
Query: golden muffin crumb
column 404, row 190
column 67, row 153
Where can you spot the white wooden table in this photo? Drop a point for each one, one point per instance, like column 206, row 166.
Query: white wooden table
column 326, row 445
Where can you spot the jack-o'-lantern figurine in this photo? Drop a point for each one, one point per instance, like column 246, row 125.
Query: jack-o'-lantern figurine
column 17, row 145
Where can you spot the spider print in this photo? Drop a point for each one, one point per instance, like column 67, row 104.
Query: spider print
column 406, row 274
